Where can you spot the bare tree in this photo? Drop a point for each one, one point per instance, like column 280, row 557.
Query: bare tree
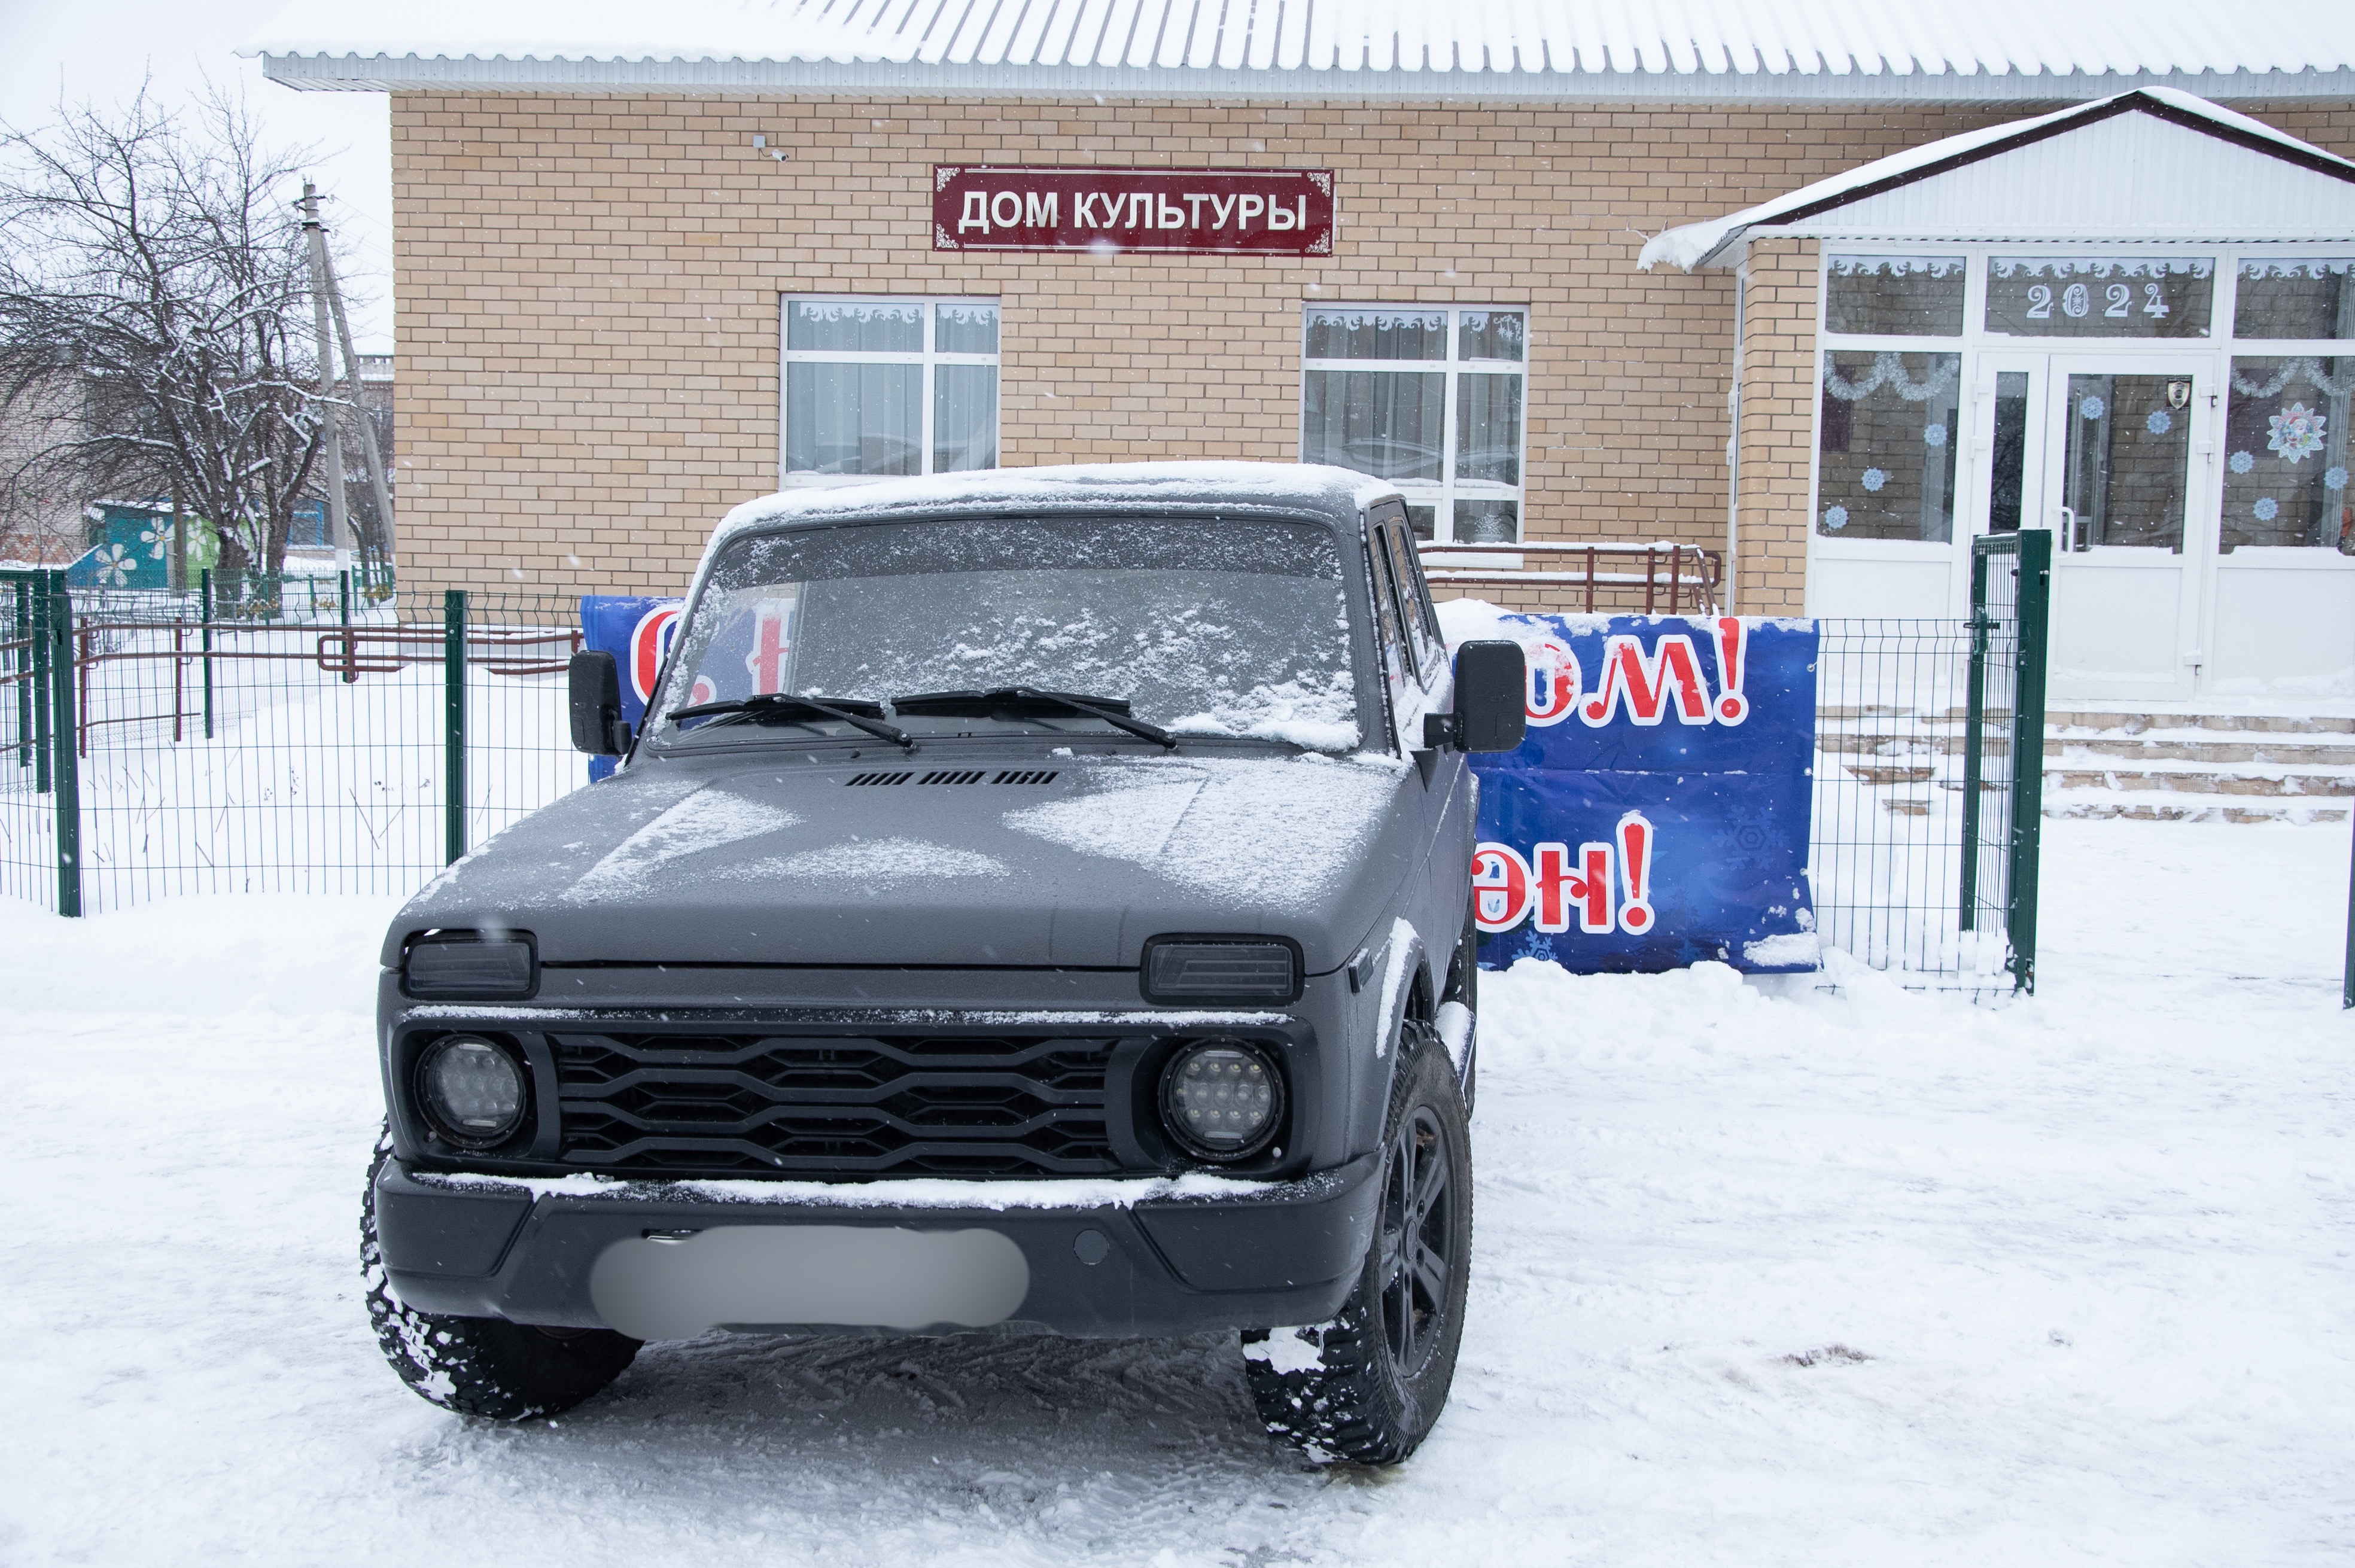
column 152, row 279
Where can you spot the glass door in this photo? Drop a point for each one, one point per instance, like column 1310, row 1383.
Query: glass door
column 2117, row 489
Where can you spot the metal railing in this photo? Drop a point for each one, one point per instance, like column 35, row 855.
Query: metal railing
column 1668, row 579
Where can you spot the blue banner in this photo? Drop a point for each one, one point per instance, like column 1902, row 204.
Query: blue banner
column 638, row 633
column 1658, row 814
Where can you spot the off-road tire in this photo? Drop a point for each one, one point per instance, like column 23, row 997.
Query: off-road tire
column 1350, row 1390
column 482, row 1366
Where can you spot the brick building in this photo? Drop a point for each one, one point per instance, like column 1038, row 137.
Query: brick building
column 641, row 279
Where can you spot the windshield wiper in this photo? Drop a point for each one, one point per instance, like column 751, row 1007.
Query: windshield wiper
column 1113, row 710
column 792, row 708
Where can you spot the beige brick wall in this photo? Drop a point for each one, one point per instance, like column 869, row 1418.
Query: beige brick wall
column 586, row 299
column 1779, row 283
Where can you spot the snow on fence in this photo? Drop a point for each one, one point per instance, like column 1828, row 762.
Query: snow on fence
column 221, row 747
column 266, row 745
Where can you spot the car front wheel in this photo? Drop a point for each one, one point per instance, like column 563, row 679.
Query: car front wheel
column 1368, row 1386
column 482, row 1366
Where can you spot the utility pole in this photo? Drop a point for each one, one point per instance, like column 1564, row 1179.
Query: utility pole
column 339, row 525
column 369, row 448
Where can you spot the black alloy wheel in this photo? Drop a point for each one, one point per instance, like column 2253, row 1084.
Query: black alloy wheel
column 1416, row 1247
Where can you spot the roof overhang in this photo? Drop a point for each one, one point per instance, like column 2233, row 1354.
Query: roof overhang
column 2155, row 165
column 709, row 76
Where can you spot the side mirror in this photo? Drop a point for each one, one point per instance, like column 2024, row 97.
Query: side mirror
column 1491, row 707
column 597, row 727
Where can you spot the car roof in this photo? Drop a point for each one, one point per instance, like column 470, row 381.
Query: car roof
column 1293, row 489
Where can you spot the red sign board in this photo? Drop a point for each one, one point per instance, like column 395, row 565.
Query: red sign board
column 1274, row 212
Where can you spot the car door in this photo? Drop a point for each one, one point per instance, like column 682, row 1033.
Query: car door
column 1423, row 685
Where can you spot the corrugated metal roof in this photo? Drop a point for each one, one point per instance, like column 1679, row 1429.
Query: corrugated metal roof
column 1985, row 48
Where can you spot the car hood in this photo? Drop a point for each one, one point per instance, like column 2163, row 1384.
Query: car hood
column 1029, row 861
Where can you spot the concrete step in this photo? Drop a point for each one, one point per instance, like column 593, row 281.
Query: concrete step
column 2193, row 779
column 2138, row 807
column 2324, row 749
column 2124, row 723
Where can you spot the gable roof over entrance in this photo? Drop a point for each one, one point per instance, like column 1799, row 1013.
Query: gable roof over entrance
column 1688, row 50
column 2150, row 165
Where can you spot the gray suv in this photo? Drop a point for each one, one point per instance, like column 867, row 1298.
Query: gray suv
column 1034, row 901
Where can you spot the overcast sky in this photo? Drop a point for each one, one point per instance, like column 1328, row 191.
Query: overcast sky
column 99, row 51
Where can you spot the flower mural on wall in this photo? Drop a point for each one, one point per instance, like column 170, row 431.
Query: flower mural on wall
column 157, row 536
column 2295, row 431
column 115, row 566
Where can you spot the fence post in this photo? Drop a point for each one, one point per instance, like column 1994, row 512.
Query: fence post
column 2027, row 751
column 344, row 610
column 44, row 699
column 24, row 637
column 1974, row 728
column 454, row 723
column 204, row 610
column 2346, row 997
column 65, row 771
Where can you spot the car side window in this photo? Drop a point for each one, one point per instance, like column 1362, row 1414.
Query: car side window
column 1397, row 671
column 1415, row 602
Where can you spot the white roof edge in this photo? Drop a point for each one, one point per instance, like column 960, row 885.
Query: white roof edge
column 442, row 73
column 1696, row 245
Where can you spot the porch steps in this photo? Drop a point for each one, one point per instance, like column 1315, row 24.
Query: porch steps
column 2152, row 767
column 2199, row 767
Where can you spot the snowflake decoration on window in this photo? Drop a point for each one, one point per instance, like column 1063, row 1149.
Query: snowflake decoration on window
column 2296, row 430
column 2093, row 407
column 2241, row 462
column 2266, row 509
column 2159, row 423
column 2333, row 479
column 1934, row 435
column 115, row 565
column 1836, row 518
column 1874, row 479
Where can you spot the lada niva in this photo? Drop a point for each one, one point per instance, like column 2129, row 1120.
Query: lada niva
column 1033, row 900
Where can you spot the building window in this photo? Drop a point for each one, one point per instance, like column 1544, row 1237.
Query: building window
column 1430, row 397
column 2300, row 298
column 2100, row 297
column 2286, row 454
column 876, row 388
column 1885, row 452
column 1894, row 296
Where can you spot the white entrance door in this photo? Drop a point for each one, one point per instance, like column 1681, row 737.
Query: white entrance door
column 2106, row 451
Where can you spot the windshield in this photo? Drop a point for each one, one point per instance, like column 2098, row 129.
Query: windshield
column 1203, row 626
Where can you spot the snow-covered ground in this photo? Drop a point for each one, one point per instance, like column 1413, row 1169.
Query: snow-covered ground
column 1767, row 1274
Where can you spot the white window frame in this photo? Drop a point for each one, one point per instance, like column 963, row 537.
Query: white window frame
column 927, row 356
column 1443, row 495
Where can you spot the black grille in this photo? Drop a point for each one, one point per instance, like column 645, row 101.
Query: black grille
column 881, row 778
column 897, row 1105
column 1024, row 776
column 954, row 776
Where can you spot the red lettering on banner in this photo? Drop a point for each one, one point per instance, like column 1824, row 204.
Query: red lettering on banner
column 1500, row 888
column 1555, row 681
column 1212, row 210
column 649, row 640
column 1732, row 706
column 1644, row 684
column 1559, row 887
column 1636, row 873
column 766, row 662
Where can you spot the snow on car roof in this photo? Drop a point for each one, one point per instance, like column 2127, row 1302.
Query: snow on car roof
column 1653, row 49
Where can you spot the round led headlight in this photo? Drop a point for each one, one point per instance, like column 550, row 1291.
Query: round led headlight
column 472, row 1091
column 1222, row 1099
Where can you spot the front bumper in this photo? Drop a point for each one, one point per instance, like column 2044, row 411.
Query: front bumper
column 1131, row 1257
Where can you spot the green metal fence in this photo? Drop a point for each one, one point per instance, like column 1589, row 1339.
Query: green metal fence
column 1929, row 779
column 222, row 741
